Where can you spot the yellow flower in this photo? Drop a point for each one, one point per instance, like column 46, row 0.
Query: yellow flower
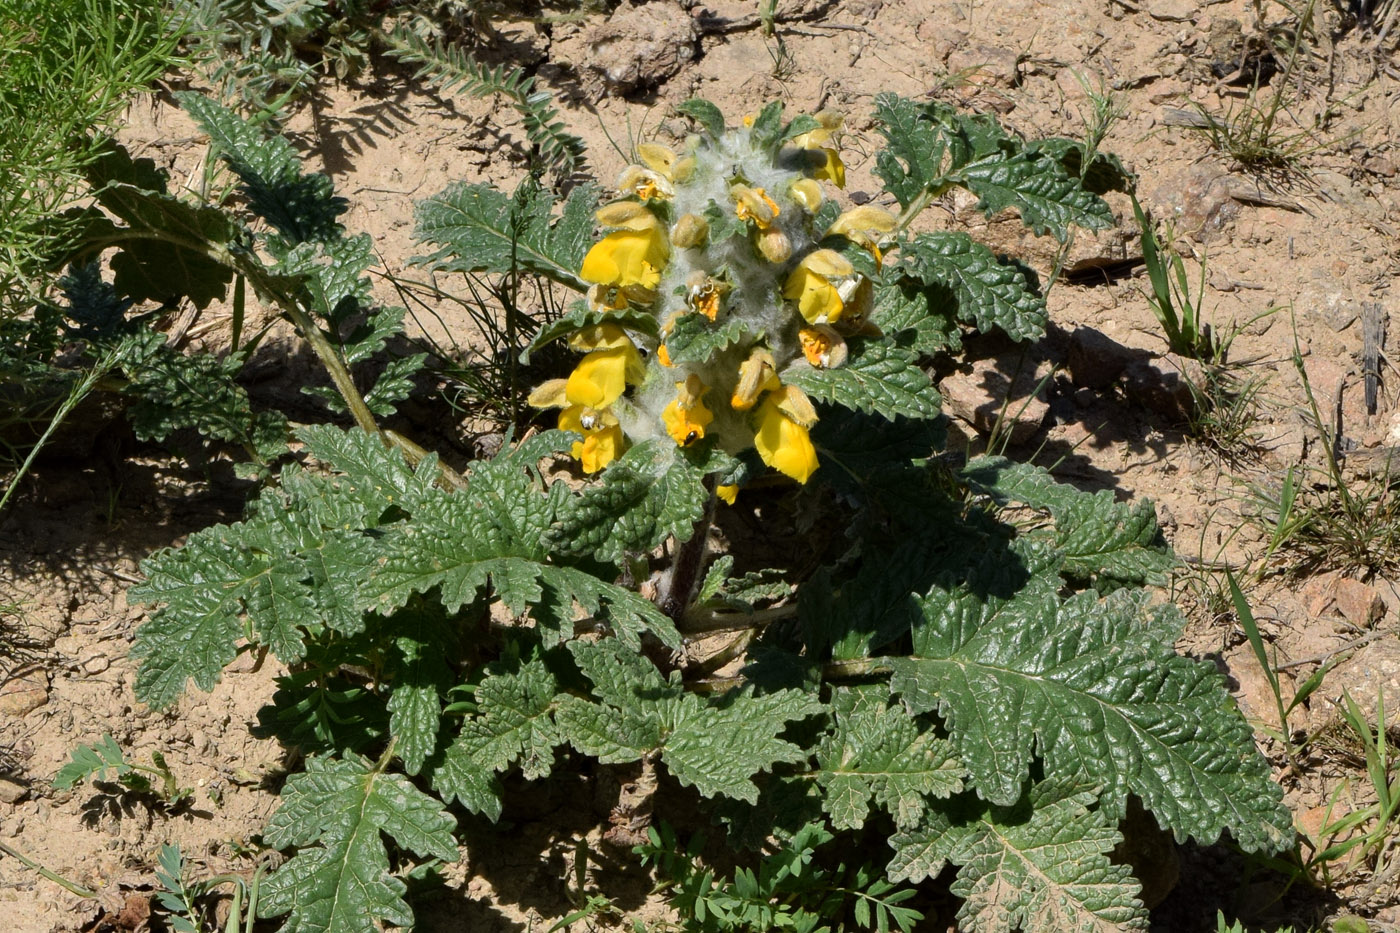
column 865, row 226
column 687, row 417
column 705, row 294
column 627, row 258
column 632, row 255
column 754, row 204
column 663, row 356
column 757, row 375
column 602, row 436
column 806, row 192
column 601, row 376
column 811, row 285
column 829, row 166
column 727, row 493
column 823, row 347
column 645, row 183
column 783, row 443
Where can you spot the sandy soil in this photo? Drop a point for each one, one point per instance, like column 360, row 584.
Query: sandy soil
column 1319, row 243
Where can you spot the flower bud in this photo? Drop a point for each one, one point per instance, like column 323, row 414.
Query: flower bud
column 774, row 245
column 690, row 230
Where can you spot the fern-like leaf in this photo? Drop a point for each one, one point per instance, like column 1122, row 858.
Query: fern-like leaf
column 1041, row 865
column 478, row 228
column 337, row 812
column 715, row 744
column 1094, row 686
column 453, row 70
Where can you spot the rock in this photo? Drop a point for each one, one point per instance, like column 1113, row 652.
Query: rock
column 1375, row 668
column 985, row 65
column 1356, row 602
column 1095, row 360
column 1198, row 201
column 1158, row 387
column 1006, row 387
column 94, row 661
column 23, row 693
column 1252, row 689
column 642, row 46
column 12, row 791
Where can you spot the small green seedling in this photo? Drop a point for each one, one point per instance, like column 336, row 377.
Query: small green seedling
column 95, row 761
column 1305, row 690
column 1369, row 834
column 179, row 896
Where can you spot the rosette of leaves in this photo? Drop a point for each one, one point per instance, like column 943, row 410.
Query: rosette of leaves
column 974, row 692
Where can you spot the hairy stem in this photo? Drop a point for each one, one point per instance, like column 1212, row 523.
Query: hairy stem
column 678, row 587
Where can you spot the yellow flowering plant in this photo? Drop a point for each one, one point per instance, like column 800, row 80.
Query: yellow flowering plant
column 765, row 580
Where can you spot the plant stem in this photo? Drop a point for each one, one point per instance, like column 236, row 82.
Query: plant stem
column 706, row 621
column 679, row 587
column 52, row 876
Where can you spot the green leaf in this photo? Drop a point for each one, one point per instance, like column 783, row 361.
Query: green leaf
column 922, row 312
column 513, row 723
column 336, row 813
column 650, row 494
column 877, row 755
column 478, row 228
column 1105, row 172
column 987, row 292
column 912, row 160
column 1094, row 687
column 581, row 316
column 174, row 392
column 696, row 339
column 418, row 671
column 163, row 252
column 877, row 377
column 705, row 113
column 715, row 744
column 1109, row 542
column 767, row 124
column 90, row 761
column 300, row 207
column 1048, row 198
column 1041, row 865
column 494, row 532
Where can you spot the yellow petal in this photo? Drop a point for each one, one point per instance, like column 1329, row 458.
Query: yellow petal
column 828, row 263
column 656, row 157
column 794, row 403
column 627, row 215
column 644, row 183
column 823, row 347
column 784, row 444
column 834, row 170
column 817, row 299
column 754, row 204
column 627, row 258
column 686, row 426
column 808, row 193
column 756, row 376
column 601, row 377
column 603, row 440
column 727, row 493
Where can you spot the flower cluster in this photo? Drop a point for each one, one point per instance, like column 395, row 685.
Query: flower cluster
column 721, row 244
